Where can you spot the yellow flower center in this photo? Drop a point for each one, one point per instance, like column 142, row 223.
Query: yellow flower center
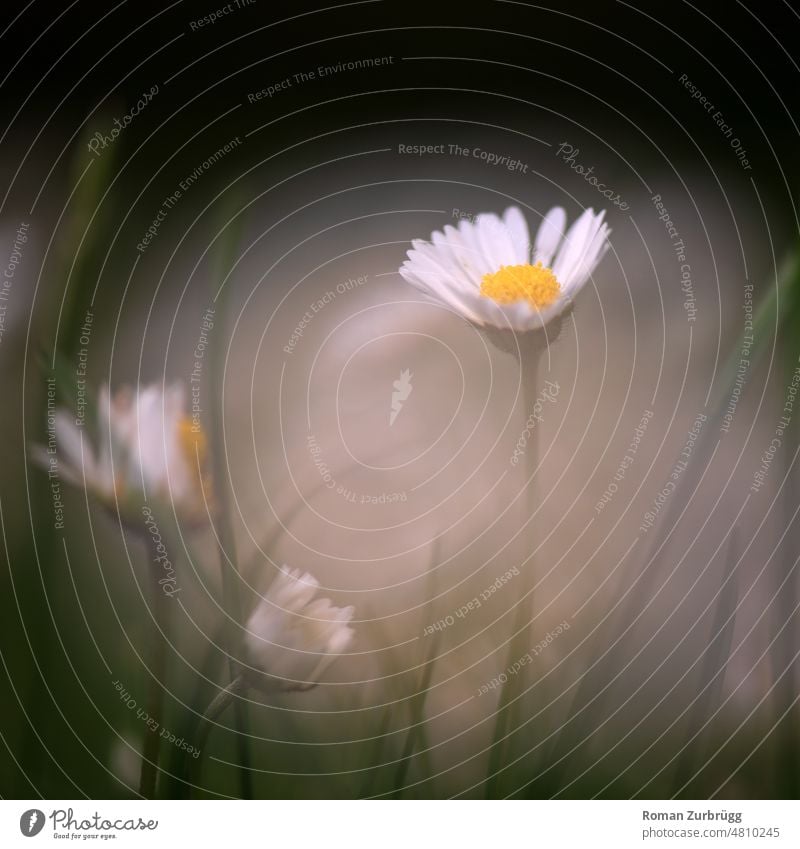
column 513, row 283
column 194, row 444
column 189, row 436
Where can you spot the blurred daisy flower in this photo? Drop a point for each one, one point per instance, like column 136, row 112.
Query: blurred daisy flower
column 487, row 272
column 294, row 637
column 146, row 444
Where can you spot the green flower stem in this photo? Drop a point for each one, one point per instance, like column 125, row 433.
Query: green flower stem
column 509, row 703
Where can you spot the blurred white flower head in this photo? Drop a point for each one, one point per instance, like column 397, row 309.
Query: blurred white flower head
column 487, row 272
column 293, row 637
column 125, row 759
column 147, row 444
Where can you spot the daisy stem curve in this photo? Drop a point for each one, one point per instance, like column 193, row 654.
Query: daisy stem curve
column 213, row 712
column 508, row 706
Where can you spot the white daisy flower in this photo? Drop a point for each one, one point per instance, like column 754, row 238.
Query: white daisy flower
column 294, row 637
column 144, row 440
column 487, row 272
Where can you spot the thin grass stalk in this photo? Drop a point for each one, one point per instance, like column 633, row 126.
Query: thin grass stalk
column 379, row 636
column 64, row 260
column 226, row 542
column 148, row 778
column 787, row 766
column 217, row 706
column 714, row 665
column 372, row 773
column 416, row 718
column 417, row 701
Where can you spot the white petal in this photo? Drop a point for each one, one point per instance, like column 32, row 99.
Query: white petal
column 518, row 230
column 573, row 247
column 461, row 257
column 291, row 591
column 68, row 442
column 494, row 241
column 549, row 236
column 445, row 255
column 474, row 260
column 436, row 286
column 595, row 248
